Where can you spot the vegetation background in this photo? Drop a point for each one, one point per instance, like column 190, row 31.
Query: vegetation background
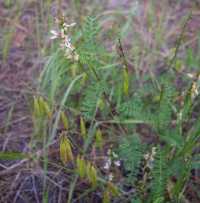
column 152, row 33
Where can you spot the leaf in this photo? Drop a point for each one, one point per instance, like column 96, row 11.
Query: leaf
column 92, row 99
column 12, row 155
column 160, row 175
column 130, row 152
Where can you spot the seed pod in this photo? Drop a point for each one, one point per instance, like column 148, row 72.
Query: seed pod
column 36, row 107
column 112, row 189
column 101, row 104
column 81, row 166
column 84, row 78
column 99, row 139
column 41, row 105
column 83, row 128
column 106, row 197
column 126, row 81
column 44, row 108
column 178, row 65
column 74, row 70
column 66, row 154
column 64, row 120
column 91, row 174
column 47, row 109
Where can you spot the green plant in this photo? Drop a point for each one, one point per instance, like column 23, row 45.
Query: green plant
column 81, row 80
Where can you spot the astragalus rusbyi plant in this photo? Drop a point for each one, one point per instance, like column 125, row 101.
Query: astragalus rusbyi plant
column 115, row 121
column 123, row 138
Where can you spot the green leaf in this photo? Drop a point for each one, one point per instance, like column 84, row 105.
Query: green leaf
column 130, row 152
column 12, row 155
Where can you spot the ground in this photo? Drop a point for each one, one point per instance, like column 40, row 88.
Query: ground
column 24, row 42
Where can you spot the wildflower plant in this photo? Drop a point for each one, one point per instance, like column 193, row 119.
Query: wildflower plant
column 103, row 104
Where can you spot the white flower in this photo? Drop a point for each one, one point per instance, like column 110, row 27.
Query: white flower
column 66, row 26
column 69, row 25
column 110, row 177
column 54, row 34
column 190, row 75
column 107, row 164
column 117, row 163
column 153, row 151
column 194, row 90
column 146, row 156
column 68, row 43
column 65, row 41
column 109, row 152
column 180, row 115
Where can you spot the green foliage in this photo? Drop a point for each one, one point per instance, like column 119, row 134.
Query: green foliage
column 136, row 201
column 164, row 107
column 12, row 155
column 90, row 32
column 53, row 78
column 131, row 152
column 160, row 176
column 132, row 108
column 92, row 99
column 102, row 103
column 89, row 48
column 192, row 59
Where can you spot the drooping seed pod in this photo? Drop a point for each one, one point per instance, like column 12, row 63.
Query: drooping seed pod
column 36, row 107
column 64, row 120
column 66, row 154
column 84, row 79
column 83, row 127
column 45, row 107
column 125, row 81
column 91, row 174
column 74, row 70
column 101, row 104
column 99, row 139
column 106, row 197
column 81, row 166
column 112, row 189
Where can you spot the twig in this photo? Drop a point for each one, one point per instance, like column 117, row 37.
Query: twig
column 60, row 8
column 178, row 44
column 72, row 187
column 18, row 192
column 122, row 54
column 13, row 167
column 34, row 189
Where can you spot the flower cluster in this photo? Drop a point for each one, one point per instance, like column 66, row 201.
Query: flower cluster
column 194, row 91
column 112, row 158
column 63, row 36
column 149, row 157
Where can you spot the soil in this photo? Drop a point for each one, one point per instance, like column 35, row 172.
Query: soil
column 19, row 71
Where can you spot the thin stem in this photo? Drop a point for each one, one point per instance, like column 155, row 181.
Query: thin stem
column 178, row 43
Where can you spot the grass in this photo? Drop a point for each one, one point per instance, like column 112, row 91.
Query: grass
column 87, row 100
